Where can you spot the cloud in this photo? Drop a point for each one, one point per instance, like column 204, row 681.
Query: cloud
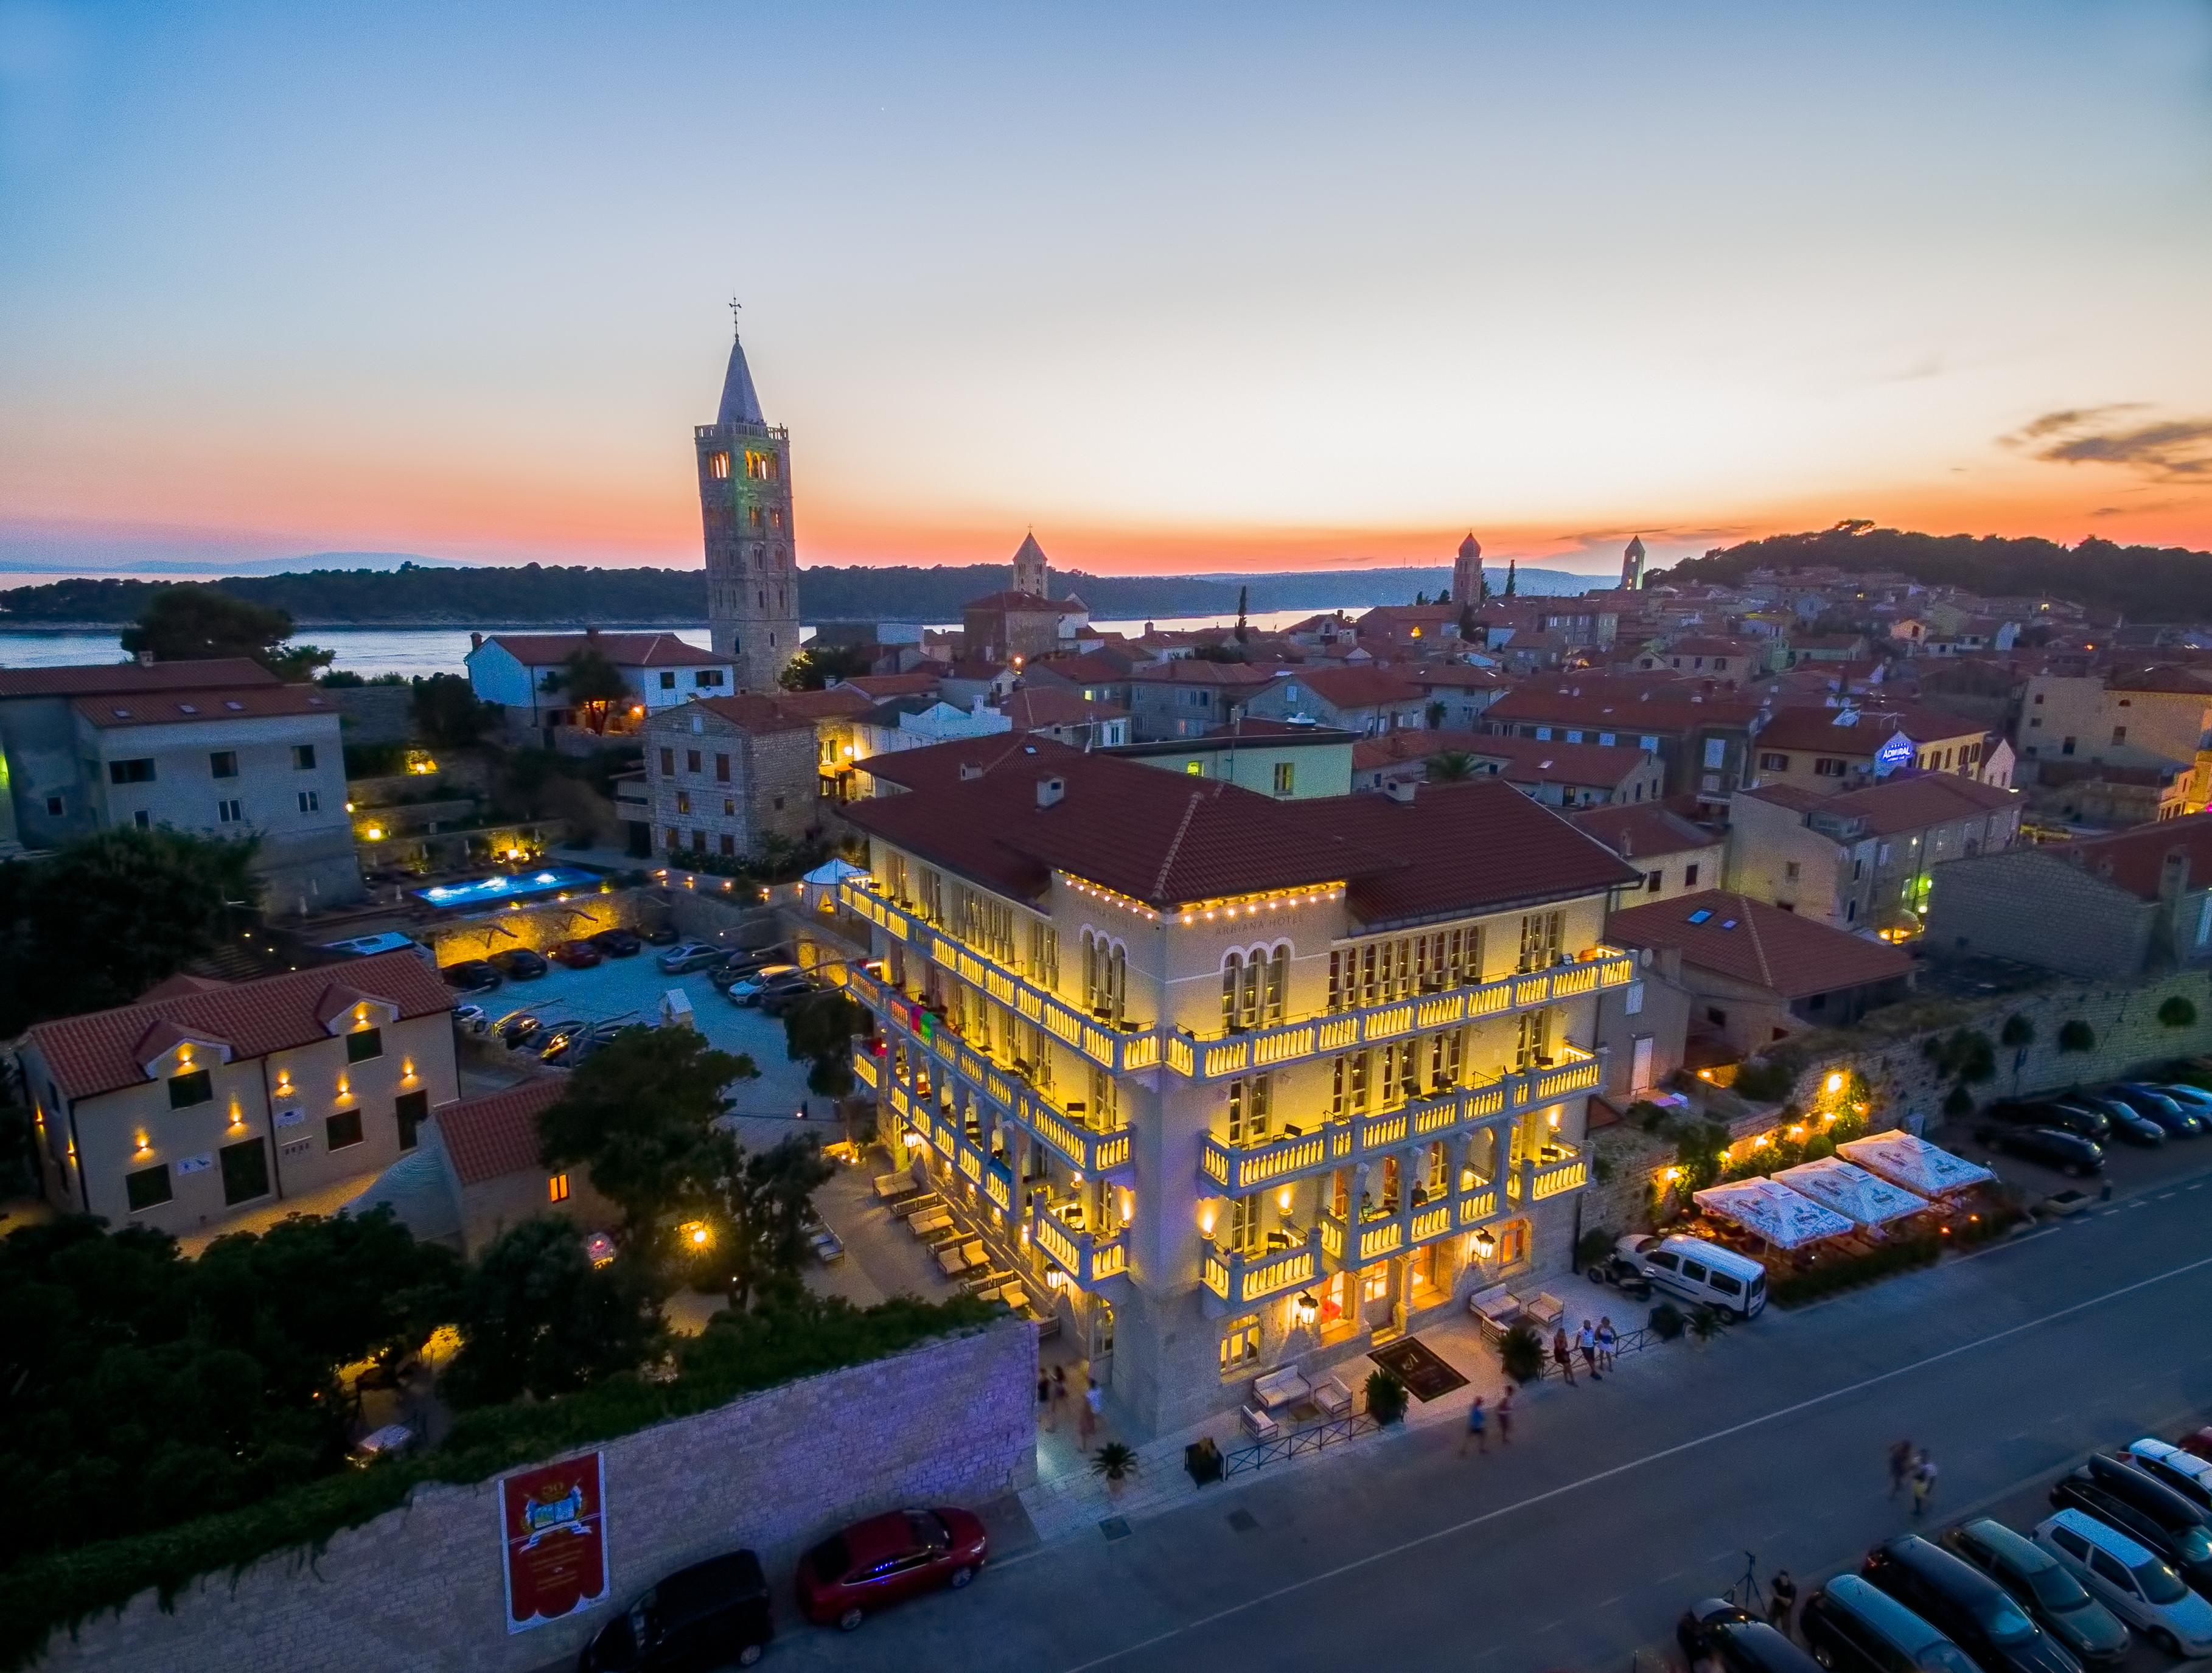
column 2176, row 450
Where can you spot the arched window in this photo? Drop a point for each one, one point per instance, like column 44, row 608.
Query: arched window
column 1278, row 982
column 1232, row 979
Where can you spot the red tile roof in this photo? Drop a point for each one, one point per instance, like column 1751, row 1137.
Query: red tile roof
column 2133, row 860
column 100, row 679
column 1456, row 675
column 1908, row 802
column 915, row 683
column 623, row 650
column 1100, row 667
column 830, row 703
column 1643, row 831
column 1528, row 760
column 181, row 707
column 1358, row 687
column 1817, row 728
column 1620, row 705
column 495, row 1133
column 1258, row 725
column 1198, row 671
column 1035, row 707
column 98, row 1052
column 935, row 766
column 1752, row 942
column 754, row 714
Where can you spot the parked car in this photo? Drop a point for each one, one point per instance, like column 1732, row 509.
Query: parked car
column 886, row 1559
column 660, row 935
column 2152, row 1515
column 555, row 1041
column 520, row 964
column 1697, row 1271
column 1718, row 1633
column 2127, row 1125
column 2076, row 1114
column 471, row 976
column 1967, row 1606
column 2194, row 1099
column 2070, row 1153
column 576, row 955
column 2198, row 1441
column 739, row 966
column 2183, row 1471
column 617, row 943
column 2134, row 1583
column 781, row 994
column 1624, row 1273
column 513, row 1029
column 2167, row 1111
column 699, row 1618
column 471, row 1020
column 2047, row 1588
column 747, row 989
column 687, row 955
column 1852, row 1625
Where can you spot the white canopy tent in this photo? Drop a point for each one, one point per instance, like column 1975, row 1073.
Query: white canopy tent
column 1904, row 1160
column 1774, row 1211
column 1857, row 1195
column 817, row 889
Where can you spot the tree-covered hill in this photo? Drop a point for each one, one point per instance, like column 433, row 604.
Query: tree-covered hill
column 2144, row 583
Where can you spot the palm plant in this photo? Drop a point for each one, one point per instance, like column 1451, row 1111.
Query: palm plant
column 1116, row 1462
column 1450, row 766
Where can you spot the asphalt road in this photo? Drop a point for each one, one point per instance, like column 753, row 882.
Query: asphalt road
column 1620, row 1503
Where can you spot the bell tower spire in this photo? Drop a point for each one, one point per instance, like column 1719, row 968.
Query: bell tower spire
column 745, row 504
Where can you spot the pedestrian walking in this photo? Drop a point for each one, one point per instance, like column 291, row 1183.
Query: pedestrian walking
column 1607, row 1340
column 1587, row 1341
column 1094, row 1408
column 1044, row 1398
column 1561, row 1357
column 1781, row 1600
column 1900, row 1465
column 1923, row 1482
column 1474, row 1422
column 1059, row 1393
column 1505, row 1414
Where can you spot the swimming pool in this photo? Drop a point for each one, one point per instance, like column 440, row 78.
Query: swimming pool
column 490, row 891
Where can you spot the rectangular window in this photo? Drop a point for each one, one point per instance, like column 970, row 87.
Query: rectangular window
column 1772, row 762
column 130, row 772
column 721, row 769
column 690, row 761
column 363, row 1044
column 230, row 812
column 223, row 763
column 303, row 757
column 311, row 801
column 1285, row 773
column 675, row 837
column 1631, row 999
column 244, row 1171
column 668, row 680
column 1239, row 1344
column 147, row 1187
column 411, row 1110
column 53, row 807
column 342, row 1130
column 1654, row 881
column 1689, row 876
column 1543, row 734
column 143, row 820
column 1716, row 751
column 557, row 1188
column 1791, row 870
column 668, row 763
column 730, row 806
column 195, row 1086
column 683, row 801
column 729, row 846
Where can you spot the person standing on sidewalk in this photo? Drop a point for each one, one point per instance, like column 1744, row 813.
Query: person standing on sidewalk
column 1474, row 1421
column 1562, row 1355
column 1900, row 1465
column 1094, row 1408
column 1587, row 1341
column 1923, row 1482
column 1781, row 1600
column 1607, row 1340
column 1505, row 1417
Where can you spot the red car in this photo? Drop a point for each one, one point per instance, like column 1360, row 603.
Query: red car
column 2198, row 1441
column 886, row 1559
column 576, row 955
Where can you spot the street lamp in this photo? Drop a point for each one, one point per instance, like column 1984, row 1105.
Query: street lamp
column 1485, row 1245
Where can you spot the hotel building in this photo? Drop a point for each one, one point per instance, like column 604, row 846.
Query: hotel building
column 1237, row 1082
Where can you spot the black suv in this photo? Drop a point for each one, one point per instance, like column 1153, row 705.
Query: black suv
column 617, row 943
column 2076, row 1115
column 2047, row 1588
column 471, row 976
column 520, row 964
column 705, row 1616
column 1967, row 1606
column 2147, row 1511
column 1716, row 1632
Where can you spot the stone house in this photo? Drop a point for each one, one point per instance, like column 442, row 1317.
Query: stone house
column 659, row 670
column 1828, row 750
column 725, row 773
column 1189, row 696
column 1674, row 856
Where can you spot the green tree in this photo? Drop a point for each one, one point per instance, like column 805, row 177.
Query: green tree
column 446, row 711
column 1470, row 630
column 1450, row 766
column 1512, row 577
column 195, row 623
column 758, row 1237
column 537, row 1319
column 591, row 683
column 2077, row 1035
column 2018, row 1031
column 1243, row 627
column 2178, row 1012
column 98, row 922
column 816, row 666
column 819, row 1031
column 640, row 1116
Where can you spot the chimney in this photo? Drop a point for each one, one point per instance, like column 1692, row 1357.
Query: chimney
column 591, row 630
column 476, row 641
column 1400, row 789
column 969, row 770
column 1050, row 792
column 2173, row 875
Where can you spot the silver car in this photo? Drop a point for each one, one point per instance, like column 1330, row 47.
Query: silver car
column 2140, row 1588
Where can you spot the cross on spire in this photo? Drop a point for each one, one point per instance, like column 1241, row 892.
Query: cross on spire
column 735, row 306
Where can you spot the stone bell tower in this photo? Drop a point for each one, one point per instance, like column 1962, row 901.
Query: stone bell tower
column 1467, row 573
column 744, row 502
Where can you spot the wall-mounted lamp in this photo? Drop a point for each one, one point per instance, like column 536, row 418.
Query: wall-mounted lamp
column 1305, row 1310
column 1485, row 1245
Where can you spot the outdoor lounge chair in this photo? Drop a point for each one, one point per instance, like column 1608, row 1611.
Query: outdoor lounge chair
column 1334, row 1398
column 960, row 1258
column 1283, row 1387
column 893, row 1186
column 910, row 1208
column 1495, row 1311
column 936, row 1220
column 1257, row 1424
column 1018, row 1299
column 1546, row 1310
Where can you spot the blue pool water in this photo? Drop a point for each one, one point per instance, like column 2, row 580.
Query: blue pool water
column 490, row 891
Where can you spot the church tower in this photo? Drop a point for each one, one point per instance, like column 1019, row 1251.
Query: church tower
column 744, row 502
column 1030, row 568
column 1631, row 564
column 1467, row 573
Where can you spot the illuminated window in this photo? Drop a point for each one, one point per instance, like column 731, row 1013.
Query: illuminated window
column 557, row 1188
column 1374, row 1284
column 718, row 466
column 1239, row 1344
column 1285, row 772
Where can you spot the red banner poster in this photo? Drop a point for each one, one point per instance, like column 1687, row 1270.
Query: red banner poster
column 553, row 1524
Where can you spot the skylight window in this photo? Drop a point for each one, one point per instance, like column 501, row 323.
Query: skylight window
column 1728, row 923
column 1700, row 915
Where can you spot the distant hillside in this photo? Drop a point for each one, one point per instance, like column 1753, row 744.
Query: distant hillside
column 2144, row 583
column 414, row 595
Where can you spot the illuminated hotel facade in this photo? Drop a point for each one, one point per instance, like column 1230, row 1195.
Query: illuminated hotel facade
column 1234, row 1083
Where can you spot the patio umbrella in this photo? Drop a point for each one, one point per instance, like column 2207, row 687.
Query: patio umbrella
column 818, row 887
column 1774, row 1211
column 1904, row 1160
column 1853, row 1193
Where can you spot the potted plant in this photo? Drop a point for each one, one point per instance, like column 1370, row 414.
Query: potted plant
column 1521, row 1352
column 1667, row 1320
column 1705, row 1325
column 1116, row 1462
column 1386, row 1397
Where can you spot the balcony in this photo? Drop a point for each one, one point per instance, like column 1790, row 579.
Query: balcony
column 1342, row 1142
column 1126, row 1048
column 1239, row 1279
column 1377, row 1236
column 1011, row 1098
column 1554, row 1169
column 1218, row 1056
column 1087, row 1258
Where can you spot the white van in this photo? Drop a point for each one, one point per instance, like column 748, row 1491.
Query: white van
column 1698, row 1272
column 2136, row 1585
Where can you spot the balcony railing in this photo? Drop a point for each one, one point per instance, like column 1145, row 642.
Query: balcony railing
column 1376, row 1236
column 1557, row 1168
column 1240, row 1279
column 1218, row 1056
column 963, row 1150
column 1086, row 1256
column 1126, row 1048
column 1343, row 1141
column 864, row 1069
column 1082, row 1148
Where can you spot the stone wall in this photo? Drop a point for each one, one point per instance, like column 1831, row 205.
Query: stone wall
column 374, row 714
column 419, row 1590
column 540, row 926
